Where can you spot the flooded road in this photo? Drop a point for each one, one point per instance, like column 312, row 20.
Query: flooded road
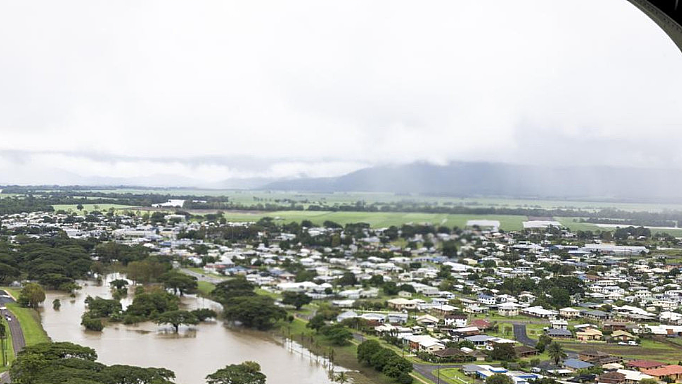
column 192, row 354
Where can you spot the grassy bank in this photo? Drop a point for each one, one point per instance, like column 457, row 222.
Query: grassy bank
column 345, row 356
column 29, row 320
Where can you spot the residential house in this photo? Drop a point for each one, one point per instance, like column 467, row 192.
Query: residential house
column 622, row 336
column 671, row 373
column 633, row 377
column 559, row 333
column 427, row 320
column 611, row 378
column 645, row 364
column 508, row 309
column 402, row 304
column 569, row 313
column 589, row 334
column 456, row 320
column 576, row 364
column 559, row 324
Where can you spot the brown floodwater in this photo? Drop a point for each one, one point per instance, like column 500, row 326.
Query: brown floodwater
column 192, row 353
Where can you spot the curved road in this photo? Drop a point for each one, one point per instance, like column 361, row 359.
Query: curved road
column 18, row 341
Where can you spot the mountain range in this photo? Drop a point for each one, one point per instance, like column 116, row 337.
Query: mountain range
column 496, row 179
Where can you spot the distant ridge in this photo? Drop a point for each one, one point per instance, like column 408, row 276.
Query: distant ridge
column 495, row 179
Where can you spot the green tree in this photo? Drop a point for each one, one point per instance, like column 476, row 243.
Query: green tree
column 32, row 295
column 68, row 363
column 366, row 349
column 543, row 342
column 297, row 299
column 337, row 334
column 179, row 282
column 556, row 352
column 348, row 278
column 450, row 248
column 396, row 366
column 499, row 378
column 204, row 313
column 247, row 372
column 316, row 323
column 148, row 305
column 177, row 318
column 146, row 271
column 8, row 273
column 258, row 312
column 503, row 352
column 236, row 287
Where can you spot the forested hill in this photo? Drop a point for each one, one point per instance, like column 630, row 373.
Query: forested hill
column 495, row 179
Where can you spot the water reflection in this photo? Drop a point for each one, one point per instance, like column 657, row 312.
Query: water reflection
column 192, row 353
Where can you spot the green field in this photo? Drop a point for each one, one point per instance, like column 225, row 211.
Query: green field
column 251, row 196
column 89, row 207
column 575, row 225
column 205, row 287
column 378, row 219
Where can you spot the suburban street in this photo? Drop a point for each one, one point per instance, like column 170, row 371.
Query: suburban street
column 522, row 337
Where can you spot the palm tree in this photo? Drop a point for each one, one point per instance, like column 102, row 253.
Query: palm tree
column 341, row 378
column 556, row 352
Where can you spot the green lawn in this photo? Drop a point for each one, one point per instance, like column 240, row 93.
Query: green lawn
column 453, row 375
column 575, row 225
column 205, row 287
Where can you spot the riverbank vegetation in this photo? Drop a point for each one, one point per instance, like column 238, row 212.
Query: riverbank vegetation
column 155, row 304
column 242, row 304
column 68, row 363
column 54, row 363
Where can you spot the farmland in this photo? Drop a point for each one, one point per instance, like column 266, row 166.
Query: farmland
column 377, row 219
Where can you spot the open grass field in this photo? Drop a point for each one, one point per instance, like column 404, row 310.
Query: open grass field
column 378, row 219
column 648, row 350
column 88, row 207
column 575, row 225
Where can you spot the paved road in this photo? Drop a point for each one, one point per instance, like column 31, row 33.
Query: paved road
column 18, row 340
column 201, row 277
column 521, row 336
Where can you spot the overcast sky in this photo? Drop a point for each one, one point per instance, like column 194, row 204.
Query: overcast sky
column 209, row 90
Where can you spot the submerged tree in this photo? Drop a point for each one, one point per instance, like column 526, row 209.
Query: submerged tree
column 32, row 295
column 247, row 372
column 177, row 318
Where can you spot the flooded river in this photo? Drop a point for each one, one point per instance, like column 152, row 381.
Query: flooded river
column 192, row 354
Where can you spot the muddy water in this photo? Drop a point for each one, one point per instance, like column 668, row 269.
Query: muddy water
column 192, row 353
